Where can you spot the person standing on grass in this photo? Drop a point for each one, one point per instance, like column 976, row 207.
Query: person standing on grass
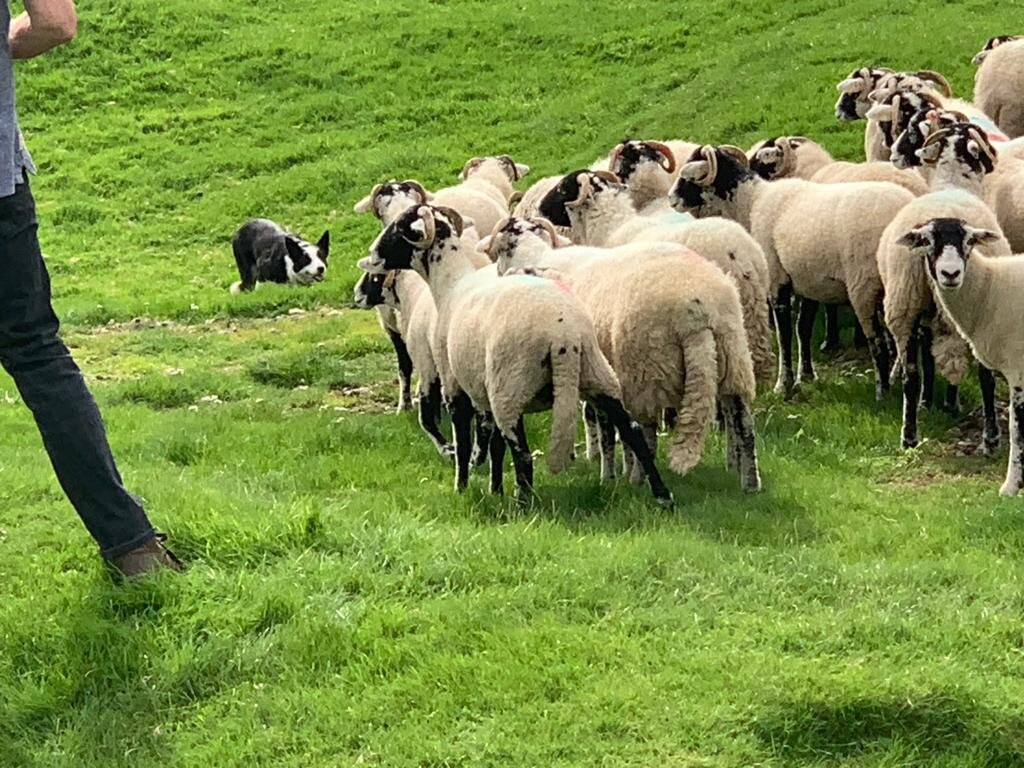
column 42, row 368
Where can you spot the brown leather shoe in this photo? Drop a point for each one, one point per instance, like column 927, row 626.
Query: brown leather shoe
column 150, row 557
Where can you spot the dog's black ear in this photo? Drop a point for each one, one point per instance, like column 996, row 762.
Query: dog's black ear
column 324, row 244
column 294, row 248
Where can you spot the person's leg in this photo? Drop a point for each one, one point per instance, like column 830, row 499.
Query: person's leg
column 53, row 388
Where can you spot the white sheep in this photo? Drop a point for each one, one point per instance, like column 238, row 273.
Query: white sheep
column 999, row 83
column 649, row 169
column 797, row 157
column 506, row 346
column 982, row 296
column 409, row 299
column 671, row 325
column 597, row 210
column 961, row 156
column 820, row 241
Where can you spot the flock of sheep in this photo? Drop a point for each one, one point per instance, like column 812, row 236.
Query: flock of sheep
column 643, row 286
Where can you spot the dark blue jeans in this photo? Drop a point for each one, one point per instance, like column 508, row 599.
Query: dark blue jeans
column 53, row 388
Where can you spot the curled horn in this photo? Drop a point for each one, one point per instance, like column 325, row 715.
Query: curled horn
column 469, row 166
column 939, row 80
column 616, row 154
column 584, row 181
column 935, row 138
column 736, row 153
column 707, row 152
column 429, row 227
column 851, row 85
column 369, row 203
column 607, row 176
column 454, row 217
column 508, row 161
column 984, row 143
column 548, row 227
column 418, row 188
column 787, row 157
column 668, row 159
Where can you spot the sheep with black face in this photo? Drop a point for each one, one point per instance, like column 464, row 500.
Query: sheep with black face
column 597, row 210
column 982, row 296
column 505, row 347
column 648, row 169
column 670, row 323
column 819, row 239
column 960, row 156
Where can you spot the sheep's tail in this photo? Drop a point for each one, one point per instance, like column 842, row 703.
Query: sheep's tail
column 565, row 381
column 735, row 362
column 697, row 409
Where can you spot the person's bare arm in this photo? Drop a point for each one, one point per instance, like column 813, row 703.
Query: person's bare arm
column 44, row 25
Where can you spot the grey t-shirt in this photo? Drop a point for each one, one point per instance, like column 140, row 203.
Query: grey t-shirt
column 14, row 156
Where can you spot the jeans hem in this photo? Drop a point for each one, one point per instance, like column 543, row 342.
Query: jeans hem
column 111, row 552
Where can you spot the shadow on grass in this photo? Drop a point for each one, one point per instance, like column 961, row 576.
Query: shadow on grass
column 938, row 726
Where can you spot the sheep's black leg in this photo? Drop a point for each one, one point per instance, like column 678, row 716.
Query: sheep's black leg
column 782, row 306
column 462, row 424
column 670, row 416
column 990, row 433
column 859, row 339
column 430, row 413
column 404, row 370
column 607, row 445
column 742, row 429
column 880, row 355
column 650, row 432
column 952, row 399
column 911, row 392
column 805, row 329
column 633, row 438
column 831, row 342
column 1015, row 468
column 497, row 454
column 927, row 368
column 523, row 462
column 732, row 443
column 481, row 439
column 592, row 432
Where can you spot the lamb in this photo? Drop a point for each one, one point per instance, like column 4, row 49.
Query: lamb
column 981, row 295
column 598, row 211
column 999, row 83
column 408, row 297
column 505, row 346
column 788, row 157
column 670, row 323
column 962, row 156
column 820, row 241
column 856, row 101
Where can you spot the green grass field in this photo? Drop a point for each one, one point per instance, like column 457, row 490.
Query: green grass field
column 344, row 606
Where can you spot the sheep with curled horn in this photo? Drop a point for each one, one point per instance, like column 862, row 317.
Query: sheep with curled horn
column 648, row 169
column 819, row 240
column 505, row 347
column 597, row 210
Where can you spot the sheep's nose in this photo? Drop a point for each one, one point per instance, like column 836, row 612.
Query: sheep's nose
column 950, row 276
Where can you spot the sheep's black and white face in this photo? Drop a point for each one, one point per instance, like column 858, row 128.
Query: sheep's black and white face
column 946, row 246
column 518, row 243
column 375, row 289
column 703, row 191
column 387, row 201
column 574, row 196
column 631, row 157
column 416, row 240
column 919, row 127
column 766, row 163
column 503, row 163
column 961, row 146
column 853, row 102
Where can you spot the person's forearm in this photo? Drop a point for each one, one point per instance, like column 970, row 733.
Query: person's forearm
column 44, row 25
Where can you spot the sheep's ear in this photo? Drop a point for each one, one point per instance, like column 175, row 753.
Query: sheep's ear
column 851, row 85
column 522, row 169
column 980, row 236
column 484, row 245
column 916, row 238
column 698, row 169
column 929, row 154
column 769, row 154
column 367, row 264
column 364, row 205
column 561, row 241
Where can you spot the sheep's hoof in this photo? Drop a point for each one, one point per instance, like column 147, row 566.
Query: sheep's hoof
column 403, row 406
column 666, row 502
column 784, row 387
column 805, row 376
column 1009, row 489
column 989, row 445
column 909, row 443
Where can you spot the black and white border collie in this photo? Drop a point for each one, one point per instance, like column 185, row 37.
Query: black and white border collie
column 266, row 253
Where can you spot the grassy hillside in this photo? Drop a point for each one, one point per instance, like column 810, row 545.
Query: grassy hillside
column 344, row 606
